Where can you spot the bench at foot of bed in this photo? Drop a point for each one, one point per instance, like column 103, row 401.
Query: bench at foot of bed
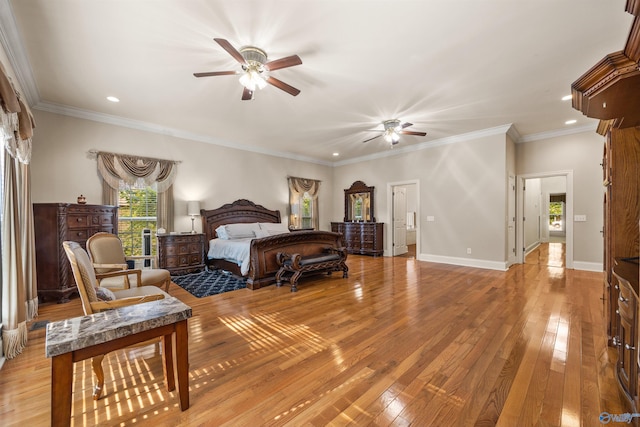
column 292, row 266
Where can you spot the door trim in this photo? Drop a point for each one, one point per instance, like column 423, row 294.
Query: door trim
column 568, row 174
column 388, row 238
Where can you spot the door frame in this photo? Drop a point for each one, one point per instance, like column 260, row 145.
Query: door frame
column 568, row 174
column 388, row 250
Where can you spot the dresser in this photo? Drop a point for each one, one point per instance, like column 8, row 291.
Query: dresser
column 56, row 222
column 364, row 238
column 181, row 253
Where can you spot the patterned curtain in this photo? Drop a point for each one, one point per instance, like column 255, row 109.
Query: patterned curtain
column 19, row 293
column 114, row 168
column 297, row 188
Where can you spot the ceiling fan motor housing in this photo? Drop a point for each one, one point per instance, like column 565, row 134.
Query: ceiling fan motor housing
column 254, row 56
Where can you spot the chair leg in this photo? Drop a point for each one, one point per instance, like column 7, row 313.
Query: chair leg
column 96, row 363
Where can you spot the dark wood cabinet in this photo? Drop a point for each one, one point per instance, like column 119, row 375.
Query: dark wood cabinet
column 364, row 238
column 181, row 253
column 621, row 173
column 56, row 222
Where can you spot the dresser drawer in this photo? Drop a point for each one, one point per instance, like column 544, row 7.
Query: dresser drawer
column 78, row 221
column 77, row 235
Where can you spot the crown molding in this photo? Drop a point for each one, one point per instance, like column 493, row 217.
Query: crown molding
column 162, row 130
column 12, row 43
column 558, row 132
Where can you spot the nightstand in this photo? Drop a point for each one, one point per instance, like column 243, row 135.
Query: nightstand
column 181, row 253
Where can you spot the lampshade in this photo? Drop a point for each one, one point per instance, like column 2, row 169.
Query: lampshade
column 193, row 208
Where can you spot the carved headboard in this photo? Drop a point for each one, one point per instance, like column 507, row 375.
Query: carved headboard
column 240, row 211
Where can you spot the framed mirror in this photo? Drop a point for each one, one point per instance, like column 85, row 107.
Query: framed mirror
column 358, row 203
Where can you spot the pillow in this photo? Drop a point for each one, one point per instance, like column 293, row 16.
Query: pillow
column 221, row 232
column 237, row 231
column 274, row 228
column 262, row 233
column 104, row 294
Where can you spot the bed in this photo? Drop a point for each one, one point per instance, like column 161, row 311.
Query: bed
column 259, row 265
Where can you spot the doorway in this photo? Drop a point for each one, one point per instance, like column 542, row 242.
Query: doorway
column 545, row 209
column 403, row 209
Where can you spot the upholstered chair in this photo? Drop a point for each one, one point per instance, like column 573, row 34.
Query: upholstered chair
column 107, row 255
column 95, row 299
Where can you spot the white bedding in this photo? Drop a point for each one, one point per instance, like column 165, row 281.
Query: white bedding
column 236, row 251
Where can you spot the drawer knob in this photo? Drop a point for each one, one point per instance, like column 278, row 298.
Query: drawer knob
column 623, row 299
column 79, row 219
column 615, row 342
column 628, row 347
column 617, row 287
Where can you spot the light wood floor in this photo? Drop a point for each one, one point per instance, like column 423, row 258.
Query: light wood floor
column 401, row 342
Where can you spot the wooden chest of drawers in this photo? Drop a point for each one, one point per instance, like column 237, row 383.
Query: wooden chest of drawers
column 365, row 238
column 56, row 222
column 181, row 253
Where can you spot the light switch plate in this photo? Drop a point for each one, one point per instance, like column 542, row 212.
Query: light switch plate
column 579, row 218
column 431, row 218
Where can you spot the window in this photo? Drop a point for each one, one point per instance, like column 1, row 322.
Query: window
column 137, row 213
column 303, row 203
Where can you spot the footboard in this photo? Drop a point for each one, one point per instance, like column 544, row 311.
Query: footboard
column 263, row 265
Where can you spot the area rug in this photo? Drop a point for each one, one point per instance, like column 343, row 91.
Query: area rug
column 210, row 282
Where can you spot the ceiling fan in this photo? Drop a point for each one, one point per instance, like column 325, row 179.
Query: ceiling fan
column 255, row 69
column 393, row 130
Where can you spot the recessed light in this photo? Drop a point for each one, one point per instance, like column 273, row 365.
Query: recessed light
column 336, row 154
column 567, row 97
column 570, row 122
column 112, row 99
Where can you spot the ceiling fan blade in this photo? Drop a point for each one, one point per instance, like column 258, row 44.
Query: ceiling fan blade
column 283, row 86
column 289, row 61
column 216, row 73
column 406, row 125
column 367, row 140
column 232, row 50
column 408, row 132
column 247, row 94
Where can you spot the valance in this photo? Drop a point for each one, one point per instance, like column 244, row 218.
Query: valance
column 130, row 169
column 16, row 120
column 302, row 185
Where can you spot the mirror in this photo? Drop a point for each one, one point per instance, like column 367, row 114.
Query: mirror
column 358, row 203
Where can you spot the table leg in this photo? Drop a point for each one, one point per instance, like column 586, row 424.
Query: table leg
column 182, row 362
column 61, row 389
column 167, row 356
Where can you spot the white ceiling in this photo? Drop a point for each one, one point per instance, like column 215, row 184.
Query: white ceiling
column 449, row 67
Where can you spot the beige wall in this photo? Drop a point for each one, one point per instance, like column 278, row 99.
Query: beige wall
column 62, row 170
column 582, row 154
column 461, row 185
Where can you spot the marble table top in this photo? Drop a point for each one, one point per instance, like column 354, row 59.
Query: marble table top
column 84, row 331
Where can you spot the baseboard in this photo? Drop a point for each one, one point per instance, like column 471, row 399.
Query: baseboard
column 530, row 248
column 587, row 266
column 465, row 262
column 2, row 358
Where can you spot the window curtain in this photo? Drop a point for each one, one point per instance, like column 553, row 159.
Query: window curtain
column 116, row 167
column 297, row 188
column 19, row 294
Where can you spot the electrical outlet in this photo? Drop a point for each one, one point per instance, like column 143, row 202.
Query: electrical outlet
column 469, row 251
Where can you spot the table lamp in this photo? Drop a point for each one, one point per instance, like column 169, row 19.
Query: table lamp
column 193, row 209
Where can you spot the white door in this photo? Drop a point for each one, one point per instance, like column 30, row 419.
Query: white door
column 399, row 221
column 511, row 221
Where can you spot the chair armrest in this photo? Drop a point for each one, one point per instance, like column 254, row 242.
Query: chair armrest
column 124, row 302
column 125, row 273
column 120, row 266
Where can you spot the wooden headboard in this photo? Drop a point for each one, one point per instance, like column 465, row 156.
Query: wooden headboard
column 240, row 211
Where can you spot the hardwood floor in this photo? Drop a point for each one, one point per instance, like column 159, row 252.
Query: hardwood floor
column 400, row 342
column 552, row 254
